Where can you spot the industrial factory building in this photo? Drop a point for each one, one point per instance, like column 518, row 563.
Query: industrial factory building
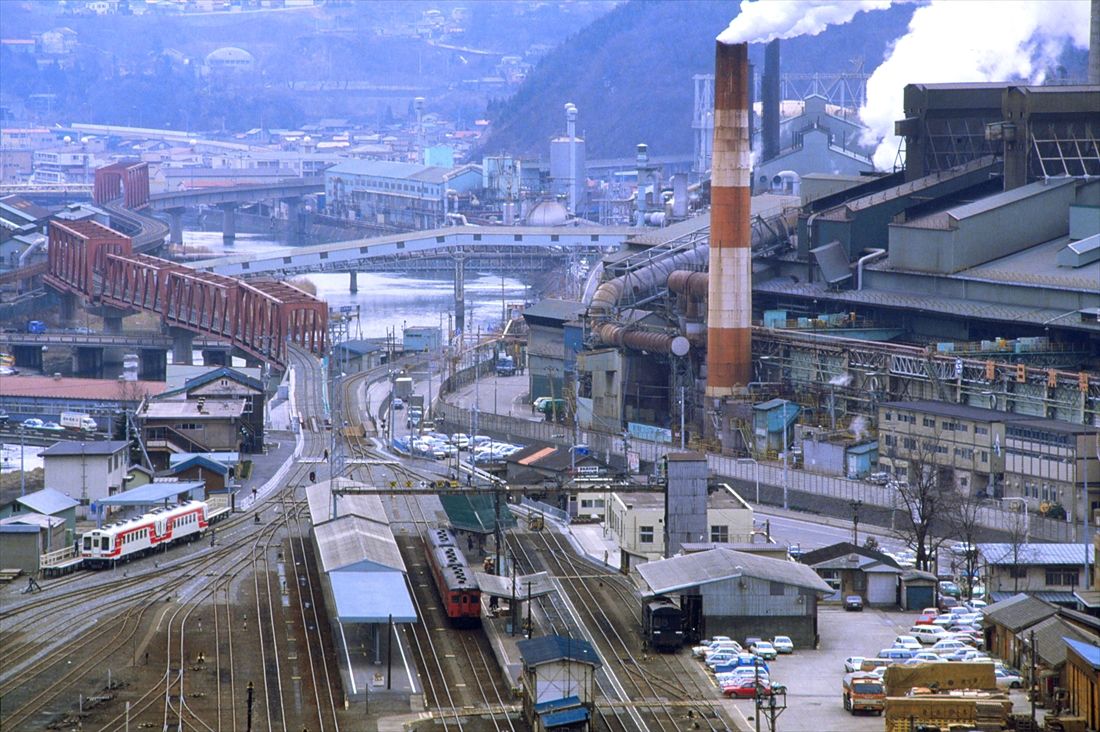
column 964, row 288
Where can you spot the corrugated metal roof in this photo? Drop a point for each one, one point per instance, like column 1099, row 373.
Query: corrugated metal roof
column 353, row 543
column 1024, row 554
column 319, row 497
column 1050, row 645
column 155, row 492
column 666, row 575
column 536, row 456
column 372, row 597
column 950, row 409
column 1018, row 612
column 1088, row 652
column 555, row 310
column 32, row 519
column 80, row 389
column 547, row 648
column 81, row 447
column 48, row 501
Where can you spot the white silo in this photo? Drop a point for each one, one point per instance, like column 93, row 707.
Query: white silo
column 567, row 163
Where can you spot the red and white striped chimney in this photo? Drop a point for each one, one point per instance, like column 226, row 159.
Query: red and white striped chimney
column 729, row 295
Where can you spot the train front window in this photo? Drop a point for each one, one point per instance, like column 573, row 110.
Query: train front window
column 87, row 543
column 105, row 543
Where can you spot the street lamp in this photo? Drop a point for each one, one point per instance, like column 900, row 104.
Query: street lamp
column 755, row 473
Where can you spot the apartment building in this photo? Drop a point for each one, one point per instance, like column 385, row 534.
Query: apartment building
column 1049, row 462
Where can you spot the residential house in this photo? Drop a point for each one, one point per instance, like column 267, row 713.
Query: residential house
column 47, row 502
column 1051, row 572
column 224, row 383
column 192, row 425
column 1051, row 650
column 86, row 470
column 856, row 570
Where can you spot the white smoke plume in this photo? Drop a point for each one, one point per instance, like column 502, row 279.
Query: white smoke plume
column 766, row 20
column 858, row 427
column 968, row 41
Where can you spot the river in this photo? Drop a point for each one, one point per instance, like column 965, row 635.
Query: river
column 388, row 301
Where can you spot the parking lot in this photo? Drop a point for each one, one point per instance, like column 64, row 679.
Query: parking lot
column 813, row 677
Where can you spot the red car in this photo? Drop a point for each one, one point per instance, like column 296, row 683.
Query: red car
column 925, row 619
column 746, row 688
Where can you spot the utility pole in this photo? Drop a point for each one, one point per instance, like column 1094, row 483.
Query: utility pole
column 856, row 505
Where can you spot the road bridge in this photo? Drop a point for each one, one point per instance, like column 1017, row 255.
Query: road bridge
column 90, row 261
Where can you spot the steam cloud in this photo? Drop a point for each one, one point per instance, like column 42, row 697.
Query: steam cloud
column 968, row 41
column 766, row 20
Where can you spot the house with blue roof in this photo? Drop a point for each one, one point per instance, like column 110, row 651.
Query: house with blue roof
column 1083, row 680
column 47, row 502
column 559, row 682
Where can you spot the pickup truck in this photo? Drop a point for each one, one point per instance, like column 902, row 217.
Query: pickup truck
column 864, row 691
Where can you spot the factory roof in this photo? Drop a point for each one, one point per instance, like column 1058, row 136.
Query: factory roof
column 48, row 501
column 401, row 171
column 67, row 448
column 927, row 303
column 81, row 389
column 947, row 219
column 998, row 554
column 319, row 497
column 951, row 409
column 555, row 310
column 843, row 550
column 1019, row 611
column 1038, row 265
column 353, row 543
column 1054, row 425
column 690, row 570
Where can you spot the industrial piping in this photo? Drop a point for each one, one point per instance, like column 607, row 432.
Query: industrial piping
column 643, row 281
column 729, row 297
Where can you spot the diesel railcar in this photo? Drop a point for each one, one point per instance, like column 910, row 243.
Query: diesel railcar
column 454, row 580
column 135, row 537
column 662, row 624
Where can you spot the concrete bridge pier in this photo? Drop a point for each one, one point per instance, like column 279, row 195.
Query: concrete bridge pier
column 353, row 282
column 27, row 357
column 460, row 293
column 229, row 222
column 88, row 361
column 215, row 357
column 152, row 364
column 182, row 346
column 293, row 226
column 69, row 303
column 175, row 225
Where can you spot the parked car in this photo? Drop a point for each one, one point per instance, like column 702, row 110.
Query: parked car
column 852, row 663
column 765, row 650
column 928, row 634
column 398, row 404
column 948, row 646
column 907, row 641
column 34, row 423
column 925, row 619
column 896, row 654
column 853, row 603
column 1007, row 678
column 746, row 688
column 3, row 417
column 700, row 650
column 460, row 440
column 949, row 588
column 928, row 657
column 783, row 644
column 879, row 478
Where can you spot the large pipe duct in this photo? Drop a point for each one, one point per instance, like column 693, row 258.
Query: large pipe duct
column 615, row 334
column 643, row 281
column 729, row 297
column 769, row 99
column 686, row 282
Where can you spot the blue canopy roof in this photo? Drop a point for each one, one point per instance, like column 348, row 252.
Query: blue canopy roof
column 372, row 597
column 566, row 702
column 156, row 492
column 1087, row 651
column 548, row 648
column 560, row 719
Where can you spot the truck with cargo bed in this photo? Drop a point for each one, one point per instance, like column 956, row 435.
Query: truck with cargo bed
column 864, row 691
column 78, row 421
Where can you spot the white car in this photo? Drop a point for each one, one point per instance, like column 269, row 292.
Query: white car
column 460, row 440
column 927, row 657
column 700, row 650
column 852, row 664
column 783, row 644
column 907, row 642
column 34, row 423
column 945, row 647
column 1007, row 679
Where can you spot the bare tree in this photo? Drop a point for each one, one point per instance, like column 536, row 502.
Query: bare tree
column 926, row 500
column 963, row 523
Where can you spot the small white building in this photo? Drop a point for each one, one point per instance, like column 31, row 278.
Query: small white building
column 637, row 521
column 87, row 471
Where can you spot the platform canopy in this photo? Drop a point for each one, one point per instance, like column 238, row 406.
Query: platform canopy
column 372, row 597
column 501, row 585
column 157, row 492
column 476, row 513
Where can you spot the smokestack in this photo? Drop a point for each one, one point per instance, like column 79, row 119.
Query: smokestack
column 769, row 97
column 571, row 132
column 1094, row 43
column 729, row 294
